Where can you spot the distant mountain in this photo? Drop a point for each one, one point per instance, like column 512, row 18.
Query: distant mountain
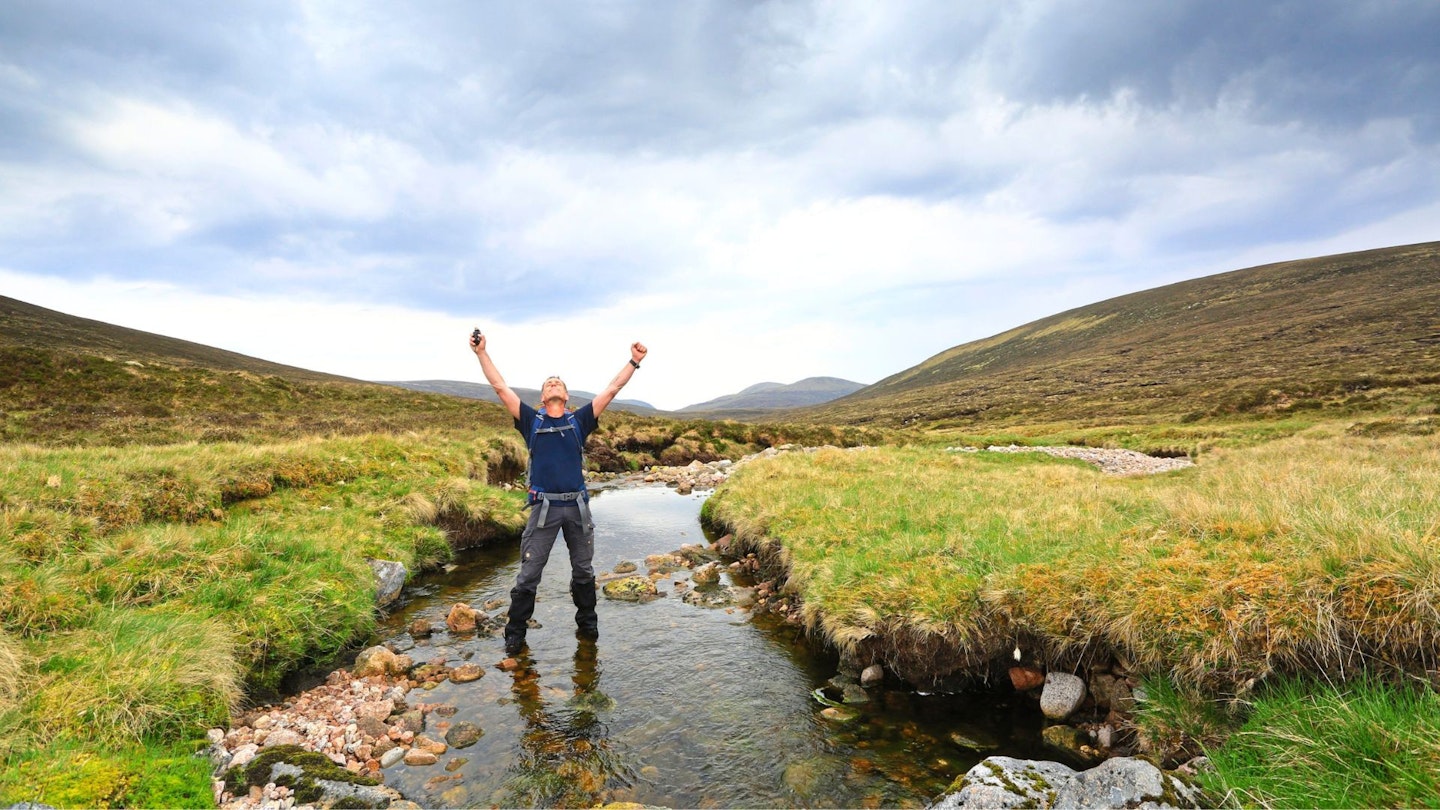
column 769, row 396
column 481, row 391
column 1336, row 333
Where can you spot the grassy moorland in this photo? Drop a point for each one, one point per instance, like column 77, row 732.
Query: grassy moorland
column 179, row 526
column 1313, row 556
column 1281, row 599
column 182, row 527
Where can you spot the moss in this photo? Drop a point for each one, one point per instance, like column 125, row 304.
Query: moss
column 256, row 773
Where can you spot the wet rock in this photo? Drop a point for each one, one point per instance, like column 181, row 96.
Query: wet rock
column 707, row 575
column 389, row 580
column 809, row 778
column 1026, row 678
column 709, row 599
column 379, row 661
column 853, row 693
column 462, row 618
column 463, row 734
column 432, row 745
column 625, row 567
column 839, row 714
column 1062, row 695
column 630, row 589
column 972, row 739
column 418, row 758
column 465, row 673
column 421, row 628
column 873, row 675
column 1071, row 741
column 412, row 721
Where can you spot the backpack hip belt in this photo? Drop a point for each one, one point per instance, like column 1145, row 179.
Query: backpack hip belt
column 578, row 497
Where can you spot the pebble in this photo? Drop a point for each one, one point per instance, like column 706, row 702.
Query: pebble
column 339, row 719
column 1110, row 460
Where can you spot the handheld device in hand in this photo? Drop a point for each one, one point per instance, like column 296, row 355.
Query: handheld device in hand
column 475, row 337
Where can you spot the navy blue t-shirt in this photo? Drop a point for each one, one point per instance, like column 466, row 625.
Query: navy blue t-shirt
column 556, row 458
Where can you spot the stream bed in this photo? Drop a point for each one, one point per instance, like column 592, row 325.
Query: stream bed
column 676, row 705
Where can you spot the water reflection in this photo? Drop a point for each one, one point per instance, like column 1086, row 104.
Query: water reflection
column 566, row 758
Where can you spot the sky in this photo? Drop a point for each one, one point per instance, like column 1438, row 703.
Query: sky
column 758, row 191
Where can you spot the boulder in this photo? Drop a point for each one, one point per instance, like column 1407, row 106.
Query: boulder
column 421, row 628
column 873, row 675
column 389, row 580
column 1002, row 782
column 1128, row 782
column 1123, row 782
column 1062, row 695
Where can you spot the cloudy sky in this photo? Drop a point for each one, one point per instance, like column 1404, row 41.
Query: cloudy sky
column 758, row 191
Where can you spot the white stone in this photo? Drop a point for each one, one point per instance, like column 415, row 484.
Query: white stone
column 391, row 757
column 1062, row 695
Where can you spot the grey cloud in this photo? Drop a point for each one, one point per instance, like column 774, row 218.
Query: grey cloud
column 1336, row 62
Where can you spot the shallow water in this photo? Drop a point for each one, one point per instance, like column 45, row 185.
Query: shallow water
column 676, row 705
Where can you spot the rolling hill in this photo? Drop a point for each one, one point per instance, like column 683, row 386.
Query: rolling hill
column 1356, row 330
column 35, row 327
column 770, row 396
column 66, row 380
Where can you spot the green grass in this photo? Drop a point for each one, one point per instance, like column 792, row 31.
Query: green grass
column 1317, row 744
column 1290, row 553
column 1317, row 551
column 145, row 589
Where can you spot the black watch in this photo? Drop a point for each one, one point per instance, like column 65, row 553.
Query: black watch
column 633, row 363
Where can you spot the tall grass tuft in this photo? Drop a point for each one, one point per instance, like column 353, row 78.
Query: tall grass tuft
column 13, row 663
column 137, row 675
column 1376, row 745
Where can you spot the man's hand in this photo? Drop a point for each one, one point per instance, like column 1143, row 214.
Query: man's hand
column 477, row 342
column 638, row 351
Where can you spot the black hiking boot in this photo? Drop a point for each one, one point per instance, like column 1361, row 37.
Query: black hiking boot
column 514, row 644
column 587, row 624
column 522, row 607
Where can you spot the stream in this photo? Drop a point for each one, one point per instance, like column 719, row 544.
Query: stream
column 676, row 705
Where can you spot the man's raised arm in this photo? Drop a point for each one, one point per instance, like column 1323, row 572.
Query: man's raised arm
column 603, row 399
column 508, row 398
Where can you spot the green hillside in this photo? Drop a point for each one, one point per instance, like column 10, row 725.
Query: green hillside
column 1354, row 331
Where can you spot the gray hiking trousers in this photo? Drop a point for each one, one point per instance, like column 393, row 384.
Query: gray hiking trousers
column 537, row 540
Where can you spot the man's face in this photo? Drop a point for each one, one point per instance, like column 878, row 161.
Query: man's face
column 554, row 388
